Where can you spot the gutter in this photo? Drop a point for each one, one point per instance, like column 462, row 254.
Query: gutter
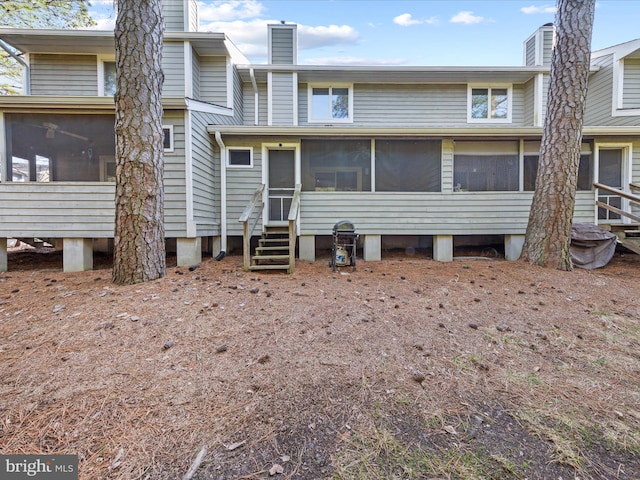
column 255, row 96
column 223, row 196
column 25, row 65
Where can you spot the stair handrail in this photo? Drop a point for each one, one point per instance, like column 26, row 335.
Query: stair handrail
column 255, row 205
column 621, row 193
column 294, row 211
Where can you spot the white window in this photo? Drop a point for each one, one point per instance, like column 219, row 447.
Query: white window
column 106, row 77
column 167, row 141
column 489, row 103
column 240, row 157
column 330, row 103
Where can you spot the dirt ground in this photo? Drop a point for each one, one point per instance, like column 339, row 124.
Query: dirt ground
column 404, row 369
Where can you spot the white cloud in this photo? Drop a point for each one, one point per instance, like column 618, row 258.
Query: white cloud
column 322, row 36
column 466, row 17
column 406, row 20
column 228, row 11
column 538, row 9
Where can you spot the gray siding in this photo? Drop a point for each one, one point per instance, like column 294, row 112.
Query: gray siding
column 173, row 12
column 195, row 65
column 631, row 88
column 173, row 67
column 248, row 102
column 282, row 51
column 530, row 52
column 175, row 206
column 282, row 101
column 206, row 205
column 600, row 98
column 478, row 213
column 547, row 45
column 213, row 80
column 528, row 99
column 241, row 184
column 56, row 210
column 416, row 105
column 64, row 74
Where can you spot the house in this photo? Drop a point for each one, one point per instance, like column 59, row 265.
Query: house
column 424, row 157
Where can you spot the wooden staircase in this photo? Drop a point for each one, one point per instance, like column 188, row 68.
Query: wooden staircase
column 273, row 251
column 628, row 235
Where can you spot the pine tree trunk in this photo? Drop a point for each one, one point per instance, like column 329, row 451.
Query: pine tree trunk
column 139, row 248
column 548, row 234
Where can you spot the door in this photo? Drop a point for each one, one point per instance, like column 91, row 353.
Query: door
column 281, row 183
column 611, row 173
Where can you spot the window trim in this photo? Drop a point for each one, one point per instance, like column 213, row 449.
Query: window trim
column 330, row 86
column 230, row 149
column 171, row 147
column 489, row 87
column 102, row 59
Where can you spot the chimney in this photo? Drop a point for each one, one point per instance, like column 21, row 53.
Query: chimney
column 539, row 46
column 180, row 15
column 283, row 44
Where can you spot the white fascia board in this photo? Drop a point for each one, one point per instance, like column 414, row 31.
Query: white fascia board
column 198, row 106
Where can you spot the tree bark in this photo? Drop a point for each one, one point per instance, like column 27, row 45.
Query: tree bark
column 139, row 248
column 548, row 235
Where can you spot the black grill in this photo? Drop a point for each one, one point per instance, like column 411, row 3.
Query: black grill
column 345, row 240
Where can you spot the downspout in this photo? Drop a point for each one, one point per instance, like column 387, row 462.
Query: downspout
column 255, row 97
column 223, row 197
column 27, row 83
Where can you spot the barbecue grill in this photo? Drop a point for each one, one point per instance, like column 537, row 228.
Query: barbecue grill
column 345, row 240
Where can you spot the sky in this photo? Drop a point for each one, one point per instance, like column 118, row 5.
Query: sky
column 383, row 32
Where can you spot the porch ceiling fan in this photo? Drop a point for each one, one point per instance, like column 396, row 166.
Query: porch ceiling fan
column 53, row 128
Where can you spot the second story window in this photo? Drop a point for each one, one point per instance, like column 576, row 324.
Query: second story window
column 489, row 104
column 109, row 79
column 330, row 104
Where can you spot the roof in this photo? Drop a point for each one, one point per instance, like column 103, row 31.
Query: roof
column 630, row 49
column 102, row 42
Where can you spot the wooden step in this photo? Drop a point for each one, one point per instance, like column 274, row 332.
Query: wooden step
column 269, row 267
column 273, row 249
column 271, row 241
column 270, row 257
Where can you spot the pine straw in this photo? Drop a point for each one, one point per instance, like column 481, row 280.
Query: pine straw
column 299, row 366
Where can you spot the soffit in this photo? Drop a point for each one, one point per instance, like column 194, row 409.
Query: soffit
column 408, row 75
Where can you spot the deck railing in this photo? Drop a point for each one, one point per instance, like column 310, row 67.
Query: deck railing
column 619, row 193
column 249, row 219
column 294, row 211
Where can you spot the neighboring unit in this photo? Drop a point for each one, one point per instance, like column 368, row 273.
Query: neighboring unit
column 271, row 156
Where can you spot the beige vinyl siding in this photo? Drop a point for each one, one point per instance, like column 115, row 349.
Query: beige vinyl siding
column 282, row 101
column 486, row 213
column 175, row 206
column 213, row 80
column 631, row 86
column 206, row 208
column 282, row 46
column 635, row 173
column 64, row 75
column 242, row 184
column 173, row 68
column 56, row 210
column 195, row 66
